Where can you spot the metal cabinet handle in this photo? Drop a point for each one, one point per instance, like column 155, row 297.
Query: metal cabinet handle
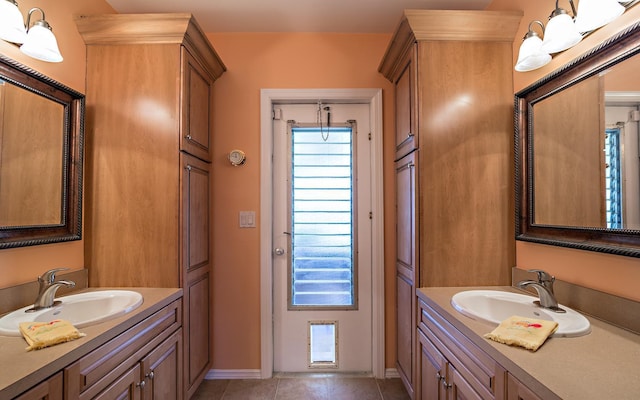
column 409, row 137
column 141, row 385
column 150, row 375
column 278, row 251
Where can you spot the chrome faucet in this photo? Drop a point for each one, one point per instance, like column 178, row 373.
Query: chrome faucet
column 48, row 288
column 544, row 287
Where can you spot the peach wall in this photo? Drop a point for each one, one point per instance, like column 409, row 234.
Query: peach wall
column 276, row 61
column 608, row 273
column 25, row 264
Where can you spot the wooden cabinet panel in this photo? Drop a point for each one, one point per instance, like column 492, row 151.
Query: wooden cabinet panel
column 198, row 358
column 406, row 249
column 406, row 258
column 161, row 370
column 433, row 369
column 405, row 327
column 196, row 114
column 196, row 186
column 126, row 387
column 51, row 389
column 518, row 391
column 406, row 136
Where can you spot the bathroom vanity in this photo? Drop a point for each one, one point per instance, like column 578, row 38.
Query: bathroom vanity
column 456, row 361
column 137, row 353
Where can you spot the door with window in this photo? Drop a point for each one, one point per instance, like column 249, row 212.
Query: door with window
column 322, row 236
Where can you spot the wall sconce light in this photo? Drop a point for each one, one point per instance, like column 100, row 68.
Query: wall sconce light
column 561, row 33
column 37, row 40
column 564, row 31
column 531, row 55
column 592, row 14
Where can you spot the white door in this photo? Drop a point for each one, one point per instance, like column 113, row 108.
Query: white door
column 322, row 272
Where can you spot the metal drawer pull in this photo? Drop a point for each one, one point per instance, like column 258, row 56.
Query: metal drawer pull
column 150, row 375
column 141, row 385
column 409, row 137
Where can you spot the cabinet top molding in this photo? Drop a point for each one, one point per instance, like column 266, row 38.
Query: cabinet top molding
column 451, row 25
column 140, row 29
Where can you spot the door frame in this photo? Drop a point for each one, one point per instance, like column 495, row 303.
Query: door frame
column 269, row 97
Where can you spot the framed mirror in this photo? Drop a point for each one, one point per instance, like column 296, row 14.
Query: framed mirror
column 41, row 156
column 578, row 153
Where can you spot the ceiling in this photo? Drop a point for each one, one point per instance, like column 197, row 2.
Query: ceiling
column 343, row 16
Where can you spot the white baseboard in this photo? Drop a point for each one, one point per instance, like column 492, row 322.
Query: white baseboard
column 233, row 374
column 390, row 373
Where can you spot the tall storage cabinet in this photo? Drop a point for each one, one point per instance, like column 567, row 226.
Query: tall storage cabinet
column 452, row 72
column 149, row 125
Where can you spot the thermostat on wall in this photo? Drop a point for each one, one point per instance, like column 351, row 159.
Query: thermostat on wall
column 237, row 157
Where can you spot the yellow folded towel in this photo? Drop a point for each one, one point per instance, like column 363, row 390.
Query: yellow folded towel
column 44, row 334
column 529, row 333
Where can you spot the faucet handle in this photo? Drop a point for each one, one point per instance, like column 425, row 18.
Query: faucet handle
column 50, row 276
column 543, row 276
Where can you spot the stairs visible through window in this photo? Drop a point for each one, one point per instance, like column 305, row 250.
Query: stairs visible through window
column 322, row 222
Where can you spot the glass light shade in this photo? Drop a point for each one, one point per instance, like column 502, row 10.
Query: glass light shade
column 531, row 55
column 41, row 43
column 561, row 34
column 11, row 23
column 592, row 14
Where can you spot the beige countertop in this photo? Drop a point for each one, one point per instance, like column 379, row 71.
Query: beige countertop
column 20, row 369
column 604, row 364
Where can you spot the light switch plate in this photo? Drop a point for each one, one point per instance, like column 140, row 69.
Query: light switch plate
column 247, row 219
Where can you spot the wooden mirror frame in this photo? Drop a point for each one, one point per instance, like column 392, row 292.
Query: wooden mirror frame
column 614, row 241
column 70, row 227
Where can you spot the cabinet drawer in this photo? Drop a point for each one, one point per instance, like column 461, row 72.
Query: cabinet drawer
column 92, row 373
column 485, row 375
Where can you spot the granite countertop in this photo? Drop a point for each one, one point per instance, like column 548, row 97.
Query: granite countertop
column 20, row 369
column 604, row 364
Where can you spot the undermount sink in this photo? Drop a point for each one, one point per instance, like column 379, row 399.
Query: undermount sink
column 495, row 306
column 82, row 309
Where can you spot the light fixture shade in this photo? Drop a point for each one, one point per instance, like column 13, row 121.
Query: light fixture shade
column 560, row 34
column 11, row 23
column 531, row 55
column 41, row 43
column 592, row 14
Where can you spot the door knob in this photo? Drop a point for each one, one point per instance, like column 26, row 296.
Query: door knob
column 278, row 251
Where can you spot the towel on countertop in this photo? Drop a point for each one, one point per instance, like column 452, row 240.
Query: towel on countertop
column 529, row 333
column 44, row 334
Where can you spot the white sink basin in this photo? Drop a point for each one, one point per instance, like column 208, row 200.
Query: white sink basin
column 495, row 306
column 82, row 309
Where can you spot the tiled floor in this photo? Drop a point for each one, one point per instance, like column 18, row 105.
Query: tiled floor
column 302, row 388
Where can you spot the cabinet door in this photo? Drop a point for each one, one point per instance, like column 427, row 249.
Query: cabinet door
column 126, row 387
column 517, row 391
column 161, row 370
column 51, row 389
column 433, row 370
column 406, row 139
column 406, row 268
column 405, row 330
column 196, row 269
column 460, row 388
column 406, row 254
column 196, row 112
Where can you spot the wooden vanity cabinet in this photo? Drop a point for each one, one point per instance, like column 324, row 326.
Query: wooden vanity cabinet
column 149, row 134
column 452, row 73
column 50, row 389
column 139, row 363
column 451, row 366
